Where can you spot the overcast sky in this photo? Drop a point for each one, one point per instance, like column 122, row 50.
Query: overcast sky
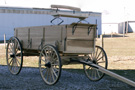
column 112, row 10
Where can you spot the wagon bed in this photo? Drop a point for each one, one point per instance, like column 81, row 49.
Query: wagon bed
column 73, row 38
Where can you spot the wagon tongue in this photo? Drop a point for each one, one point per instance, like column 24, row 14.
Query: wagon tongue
column 103, row 70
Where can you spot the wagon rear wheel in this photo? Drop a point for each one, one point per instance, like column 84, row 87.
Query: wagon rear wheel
column 99, row 58
column 14, row 55
column 50, row 65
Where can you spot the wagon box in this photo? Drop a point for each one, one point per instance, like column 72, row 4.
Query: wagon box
column 73, row 38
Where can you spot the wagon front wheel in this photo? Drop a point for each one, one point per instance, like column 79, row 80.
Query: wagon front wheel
column 99, row 57
column 14, row 55
column 50, row 64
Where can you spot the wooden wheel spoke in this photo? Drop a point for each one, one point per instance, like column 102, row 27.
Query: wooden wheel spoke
column 99, row 54
column 42, row 64
column 9, row 58
column 11, row 45
column 96, row 52
column 91, row 56
column 19, row 58
column 11, row 66
column 56, row 69
column 46, row 52
column 50, row 52
column 43, row 55
column 17, row 61
column 11, row 62
column 54, row 73
column 55, row 64
column 10, row 50
column 46, row 72
column 18, row 54
column 92, row 72
column 43, row 69
column 100, row 57
column 101, row 62
column 97, row 73
column 43, row 60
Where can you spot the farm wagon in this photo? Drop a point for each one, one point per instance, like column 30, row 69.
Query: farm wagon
column 57, row 45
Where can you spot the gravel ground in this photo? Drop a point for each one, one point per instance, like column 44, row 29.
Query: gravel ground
column 29, row 78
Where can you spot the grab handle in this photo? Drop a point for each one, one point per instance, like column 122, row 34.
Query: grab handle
column 66, row 7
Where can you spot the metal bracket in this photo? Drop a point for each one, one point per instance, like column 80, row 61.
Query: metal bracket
column 75, row 26
column 89, row 29
column 29, row 43
column 41, row 44
column 55, row 19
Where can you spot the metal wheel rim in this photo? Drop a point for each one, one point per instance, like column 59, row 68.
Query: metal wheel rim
column 14, row 55
column 50, row 65
column 101, row 59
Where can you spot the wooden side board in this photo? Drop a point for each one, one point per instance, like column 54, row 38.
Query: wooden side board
column 61, row 36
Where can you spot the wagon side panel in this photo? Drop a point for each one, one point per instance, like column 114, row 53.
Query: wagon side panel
column 22, row 34
column 54, row 36
column 82, row 40
column 36, row 37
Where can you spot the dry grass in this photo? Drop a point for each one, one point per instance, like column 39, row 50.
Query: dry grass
column 120, row 52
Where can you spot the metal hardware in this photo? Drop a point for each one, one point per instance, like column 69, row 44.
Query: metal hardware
column 41, row 44
column 90, row 28
column 55, row 19
column 29, row 43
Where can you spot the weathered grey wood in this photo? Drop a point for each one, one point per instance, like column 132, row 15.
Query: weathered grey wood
column 121, row 78
column 36, row 34
column 22, row 35
column 61, row 36
column 53, row 36
column 66, row 7
column 80, row 33
column 70, row 15
column 79, row 46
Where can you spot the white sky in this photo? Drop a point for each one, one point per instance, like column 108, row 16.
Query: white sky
column 112, row 10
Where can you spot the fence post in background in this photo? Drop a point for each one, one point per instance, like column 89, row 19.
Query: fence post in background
column 97, row 33
column 101, row 41
column 5, row 40
column 123, row 29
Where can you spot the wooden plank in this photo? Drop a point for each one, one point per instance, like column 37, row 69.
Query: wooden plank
column 66, row 7
column 79, row 46
column 36, row 34
column 22, row 35
column 54, row 35
column 112, row 74
column 70, row 15
column 80, row 33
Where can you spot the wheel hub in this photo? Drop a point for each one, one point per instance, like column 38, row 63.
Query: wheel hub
column 48, row 65
column 94, row 61
column 12, row 55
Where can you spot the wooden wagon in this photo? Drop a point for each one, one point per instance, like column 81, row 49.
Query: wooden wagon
column 57, row 45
